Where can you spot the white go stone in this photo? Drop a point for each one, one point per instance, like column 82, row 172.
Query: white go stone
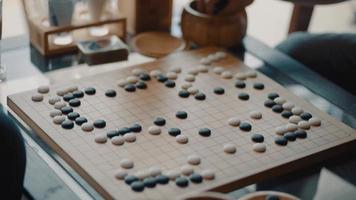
column 297, row 110
column 154, row 130
column 193, row 159
column 281, row 130
column 251, row 74
column 185, row 86
column 205, row 61
column 256, row 115
column 172, row 174
column 59, row 119
column 54, row 113
column 279, row 100
column 142, row 174
column 291, row 127
column 259, row 147
column 218, row 70
column 176, row 69
column 203, row 69
column 212, row 58
column 234, row 121
column 53, row 100
column 37, row 97
column 154, row 171
column 61, row 92
column 240, row 76
column 130, row 137
column 295, row 119
column 43, row 89
column 155, row 73
column 229, row 148
column 172, row 75
column 193, row 90
column 226, row 74
column 189, row 78
column 100, row 138
column 194, row 71
column 304, row 125
column 121, row 83
column 120, row 174
column 314, row 121
column 132, row 79
column 182, row 139
column 220, row 55
column 126, row 163
column 59, row 105
column 138, row 71
column 72, row 89
column 87, row 127
column 117, row 140
column 288, row 106
column 186, row 170
column 208, row 174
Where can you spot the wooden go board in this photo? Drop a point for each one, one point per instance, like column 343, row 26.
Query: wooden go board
column 97, row 163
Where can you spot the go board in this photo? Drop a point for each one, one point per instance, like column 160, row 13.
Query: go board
column 240, row 126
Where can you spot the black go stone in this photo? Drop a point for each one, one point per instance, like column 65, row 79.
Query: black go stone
column 300, row 134
column 174, row 132
column 162, row 78
column 200, row 96
column 272, row 197
column 306, row 116
column 136, row 128
column 73, row 115
column 244, row 126
column 67, row 124
column 144, row 77
column 196, row 178
column 137, row 186
column 130, row 179
column 159, row 121
column 290, row 136
column 205, row 132
column 286, row 114
column 258, row 138
column 281, row 140
column 66, row 110
column 272, row 95
column 149, row 182
column 244, row 96
column 90, row 91
column 124, row 130
column 170, row 83
column 259, row 86
column 141, row 85
column 182, row 115
column 182, row 182
column 130, row 88
column 162, row 179
column 219, row 90
column 80, row 120
column 68, row 97
column 184, row 94
column 78, row 94
column 110, row 93
column 112, row 133
column 277, row 108
column 240, row 84
column 74, row 102
column 99, row 123
column 269, row 103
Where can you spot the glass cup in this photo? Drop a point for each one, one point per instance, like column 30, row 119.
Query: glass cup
column 2, row 67
column 95, row 9
column 60, row 14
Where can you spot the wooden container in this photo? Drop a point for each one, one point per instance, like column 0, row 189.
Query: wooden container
column 147, row 15
column 41, row 34
column 261, row 195
column 210, row 30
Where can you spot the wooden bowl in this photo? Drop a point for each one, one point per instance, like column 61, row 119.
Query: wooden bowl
column 261, row 195
column 209, row 30
column 208, row 196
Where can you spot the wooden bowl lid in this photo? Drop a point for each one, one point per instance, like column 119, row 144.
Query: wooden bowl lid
column 157, row 44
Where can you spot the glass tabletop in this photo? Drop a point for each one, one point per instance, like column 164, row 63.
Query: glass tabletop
column 48, row 174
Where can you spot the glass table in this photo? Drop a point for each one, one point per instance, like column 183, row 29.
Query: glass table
column 49, row 177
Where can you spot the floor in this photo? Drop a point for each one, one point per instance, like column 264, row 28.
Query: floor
column 268, row 19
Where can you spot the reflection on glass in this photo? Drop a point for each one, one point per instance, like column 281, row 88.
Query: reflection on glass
column 60, row 14
column 2, row 68
column 96, row 8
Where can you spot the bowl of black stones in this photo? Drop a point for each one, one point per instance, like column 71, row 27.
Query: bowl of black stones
column 268, row 195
